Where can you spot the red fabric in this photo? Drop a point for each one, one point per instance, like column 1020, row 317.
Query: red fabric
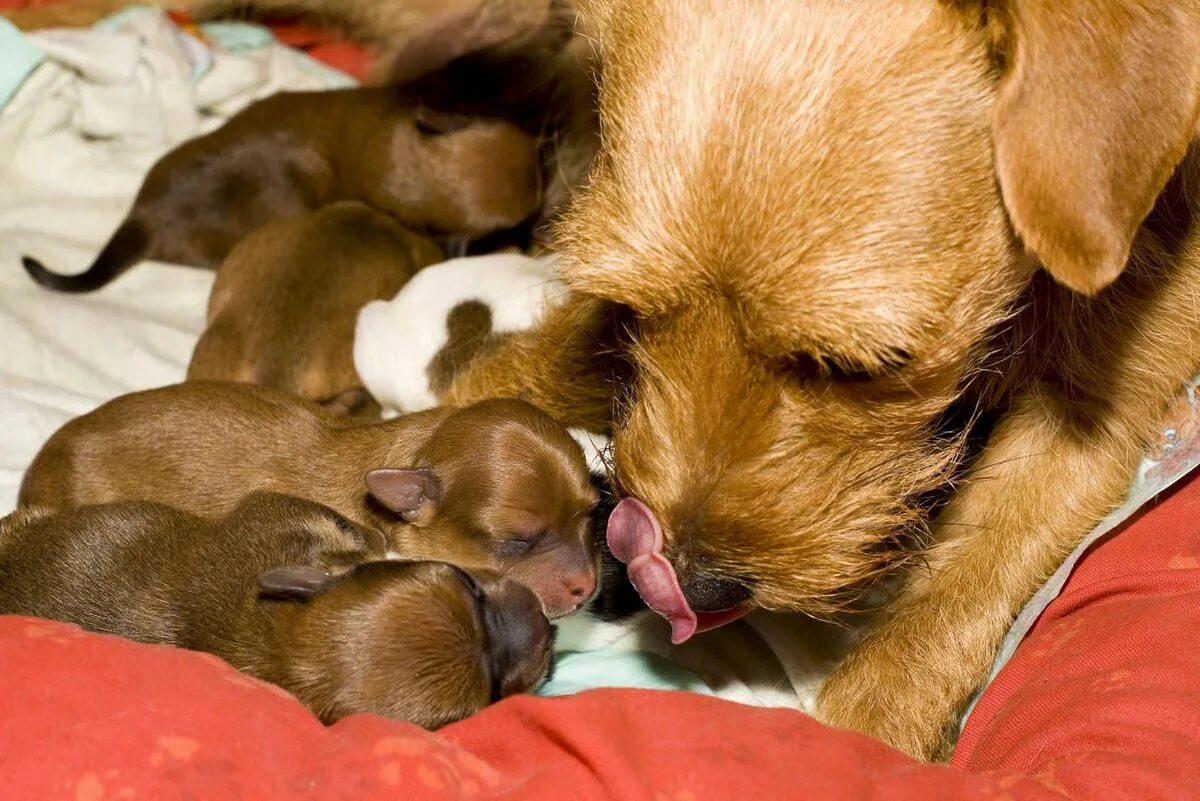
column 1101, row 701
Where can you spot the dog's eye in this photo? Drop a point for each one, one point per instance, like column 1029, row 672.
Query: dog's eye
column 806, row 366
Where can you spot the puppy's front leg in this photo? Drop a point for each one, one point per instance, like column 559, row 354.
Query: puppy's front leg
column 571, row 365
column 1040, row 485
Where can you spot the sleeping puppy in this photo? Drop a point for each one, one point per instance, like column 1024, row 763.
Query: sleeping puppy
column 494, row 485
column 439, row 173
column 282, row 310
column 288, row 591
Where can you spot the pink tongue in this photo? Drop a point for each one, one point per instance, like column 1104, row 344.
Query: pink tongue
column 635, row 538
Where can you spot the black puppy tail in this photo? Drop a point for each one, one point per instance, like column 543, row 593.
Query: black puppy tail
column 126, row 248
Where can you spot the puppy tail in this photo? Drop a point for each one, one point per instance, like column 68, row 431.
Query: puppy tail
column 126, row 248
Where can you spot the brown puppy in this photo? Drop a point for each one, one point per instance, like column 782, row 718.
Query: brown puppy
column 283, row 308
column 286, row 590
column 817, row 216
column 495, row 485
column 296, row 151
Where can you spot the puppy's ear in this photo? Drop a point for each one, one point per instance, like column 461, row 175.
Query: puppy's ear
column 1097, row 104
column 295, row 582
column 412, row 493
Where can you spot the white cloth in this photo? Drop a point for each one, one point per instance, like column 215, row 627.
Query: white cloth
column 75, row 141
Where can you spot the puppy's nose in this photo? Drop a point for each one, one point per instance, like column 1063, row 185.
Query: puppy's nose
column 708, row 593
column 580, row 586
column 519, row 636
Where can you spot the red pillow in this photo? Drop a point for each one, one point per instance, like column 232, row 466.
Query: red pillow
column 1101, row 701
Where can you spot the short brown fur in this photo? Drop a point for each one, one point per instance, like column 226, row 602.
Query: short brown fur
column 283, row 307
column 297, row 151
column 514, row 488
column 409, row 640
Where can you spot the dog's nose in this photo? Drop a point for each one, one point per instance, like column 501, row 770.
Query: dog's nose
column 708, row 593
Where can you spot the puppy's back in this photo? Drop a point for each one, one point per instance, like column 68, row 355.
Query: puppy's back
column 79, row 567
column 156, row 574
column 283, row 307
column 200, row 446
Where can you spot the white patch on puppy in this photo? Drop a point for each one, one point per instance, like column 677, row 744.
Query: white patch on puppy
column 396, row 341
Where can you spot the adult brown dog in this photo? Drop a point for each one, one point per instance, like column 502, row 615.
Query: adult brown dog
column 283, row 307
column 807, row 248
column 496, row 485
column 286, row 590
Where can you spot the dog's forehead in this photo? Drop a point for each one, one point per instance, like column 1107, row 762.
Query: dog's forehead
column 794, row 157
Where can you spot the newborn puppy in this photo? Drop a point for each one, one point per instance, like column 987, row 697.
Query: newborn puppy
column 497, row 484
column 448, row 174
column 288, row 591
column 408, row 349
column 283, row 308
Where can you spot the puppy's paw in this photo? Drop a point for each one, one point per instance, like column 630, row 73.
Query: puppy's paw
column 876, row 690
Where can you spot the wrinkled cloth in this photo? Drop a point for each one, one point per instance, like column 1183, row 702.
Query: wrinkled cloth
column 75, row 142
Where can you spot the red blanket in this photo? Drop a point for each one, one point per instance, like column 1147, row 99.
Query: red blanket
column 1101, row 701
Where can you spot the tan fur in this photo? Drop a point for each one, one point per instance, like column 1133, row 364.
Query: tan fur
column 283, row 307
column 810, row 209
column 515, row 491
column 411, row 640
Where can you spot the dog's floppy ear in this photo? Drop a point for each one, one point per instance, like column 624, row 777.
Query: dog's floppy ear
column 412, row 493
column 1096, row 107
column 295, row 582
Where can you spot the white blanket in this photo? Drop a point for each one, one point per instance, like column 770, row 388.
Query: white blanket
column 75, row 142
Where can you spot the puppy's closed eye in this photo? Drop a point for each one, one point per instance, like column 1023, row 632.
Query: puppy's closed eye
column 514, row 547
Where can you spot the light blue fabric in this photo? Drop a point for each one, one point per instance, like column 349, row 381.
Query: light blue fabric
column 576, row 671
column 18, row 58
column 234, row 36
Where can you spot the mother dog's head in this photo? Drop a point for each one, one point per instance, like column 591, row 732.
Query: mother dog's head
column 819, row 213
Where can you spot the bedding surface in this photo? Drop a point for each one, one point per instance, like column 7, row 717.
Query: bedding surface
column 1099, row 702
column 89, row 112
column 75, row 141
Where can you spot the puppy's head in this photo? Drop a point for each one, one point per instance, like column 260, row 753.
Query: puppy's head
column 500, row 485
column 424, row 642
column 811, row 208
column 476, row 174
